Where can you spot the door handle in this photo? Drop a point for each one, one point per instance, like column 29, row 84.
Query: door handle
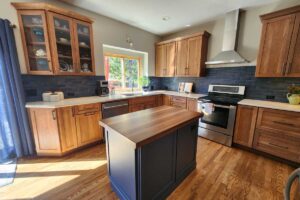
column 54, row 114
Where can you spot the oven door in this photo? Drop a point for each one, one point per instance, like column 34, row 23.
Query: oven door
column 221, row 119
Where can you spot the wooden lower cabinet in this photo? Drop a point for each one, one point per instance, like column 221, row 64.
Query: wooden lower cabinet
column 166, row 100
column 142, row 103
column 45, row 130
column 58, row 131
column 87, row 128
column 67, row 128
column 192, row 104
column 177, row 101
column 272, row 131
column 245, row 125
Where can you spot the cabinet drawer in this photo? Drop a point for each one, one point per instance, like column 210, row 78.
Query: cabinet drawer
column 286, row 147
column 178, row 104
column 283, row 122
column 86, row 108
column 143, row 100
column 178, row 99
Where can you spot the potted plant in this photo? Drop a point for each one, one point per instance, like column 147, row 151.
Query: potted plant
column 144, row 81
column 293, row 94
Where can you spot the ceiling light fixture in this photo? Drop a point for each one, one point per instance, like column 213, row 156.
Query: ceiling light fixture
column 188, row 25
column 165, row 18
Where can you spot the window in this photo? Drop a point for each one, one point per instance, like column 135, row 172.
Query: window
column 122, row 71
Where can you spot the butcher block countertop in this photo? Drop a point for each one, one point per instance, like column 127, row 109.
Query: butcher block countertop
column 145, row 126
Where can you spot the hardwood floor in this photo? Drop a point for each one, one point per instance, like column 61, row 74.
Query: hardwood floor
column 222, row 173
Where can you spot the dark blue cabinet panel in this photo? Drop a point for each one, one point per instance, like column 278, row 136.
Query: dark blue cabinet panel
column 156, row 167
column 186, row 150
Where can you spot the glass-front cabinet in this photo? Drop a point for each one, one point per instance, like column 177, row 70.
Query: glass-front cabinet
column 62, row 42
column 35, row 42
column 57, row 43
column 84, row 42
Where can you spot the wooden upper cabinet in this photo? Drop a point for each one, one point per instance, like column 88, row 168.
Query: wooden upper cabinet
column 184, row 56
column 67, row 50
column 245, row 125
column 171, row 53
column 279, row 52
column 62, row 43
column 84, row 46
column 35, row 40
column 160, row 60
column 194, row 53
column 293, row 67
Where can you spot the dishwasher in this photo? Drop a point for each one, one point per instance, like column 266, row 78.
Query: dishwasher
column 115, row 108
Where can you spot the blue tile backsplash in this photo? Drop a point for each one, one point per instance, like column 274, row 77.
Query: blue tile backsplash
column 256, row 88
column 79, row 86
column 72, row 86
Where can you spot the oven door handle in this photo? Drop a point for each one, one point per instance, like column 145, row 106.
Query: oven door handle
column 221, row 106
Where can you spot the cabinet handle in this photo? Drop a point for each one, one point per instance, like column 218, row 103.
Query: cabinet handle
column 87, row 114
column 276, row 145
column 54, row 114
column 284, row 123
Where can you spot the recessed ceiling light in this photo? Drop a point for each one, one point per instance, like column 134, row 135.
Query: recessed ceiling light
column 166, row 18
column 188, row 25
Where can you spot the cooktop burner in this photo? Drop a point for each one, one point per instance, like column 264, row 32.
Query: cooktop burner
column 224, row 94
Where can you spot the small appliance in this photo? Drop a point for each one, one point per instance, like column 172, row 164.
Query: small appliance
column 219, row 109
column 102, row 88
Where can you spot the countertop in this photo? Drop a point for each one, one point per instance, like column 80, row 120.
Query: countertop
column 97, row 99
column 270, row 104
column 144, row 126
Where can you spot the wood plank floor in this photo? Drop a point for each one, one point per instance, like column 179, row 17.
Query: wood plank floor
column 222, row 173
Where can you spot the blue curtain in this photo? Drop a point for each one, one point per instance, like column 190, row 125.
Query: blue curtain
column 15, row 136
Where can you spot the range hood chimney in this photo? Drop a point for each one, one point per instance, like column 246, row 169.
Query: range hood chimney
column 229, row 55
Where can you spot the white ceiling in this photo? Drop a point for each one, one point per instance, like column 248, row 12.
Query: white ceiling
column 148, row 14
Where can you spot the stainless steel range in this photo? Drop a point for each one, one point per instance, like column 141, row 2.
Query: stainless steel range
column 219, row 109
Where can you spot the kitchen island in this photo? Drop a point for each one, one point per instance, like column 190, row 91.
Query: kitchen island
column 151, row 151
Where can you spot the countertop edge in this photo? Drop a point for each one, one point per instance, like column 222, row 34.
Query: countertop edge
column 98, row 99
column 270, row 104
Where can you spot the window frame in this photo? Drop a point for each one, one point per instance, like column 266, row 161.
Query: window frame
column 123, row 56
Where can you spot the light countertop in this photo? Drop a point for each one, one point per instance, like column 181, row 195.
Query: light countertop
column 270, row 104
column 97, row 99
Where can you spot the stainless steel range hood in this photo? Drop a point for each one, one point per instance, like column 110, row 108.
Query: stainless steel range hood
column 229, row 55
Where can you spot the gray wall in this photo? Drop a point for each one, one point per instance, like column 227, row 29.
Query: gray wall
column 106, row 31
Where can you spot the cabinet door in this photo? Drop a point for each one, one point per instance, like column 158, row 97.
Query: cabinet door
column 245, row 125
column 194, row 52
column 84, row 47
column 62, row 43
column 87, row 128
column 274, row 45
column 166, row 100
column 293, row 69
column 186, row 150
column 191, row 104
column 67, row 128
column 161, row 61
column 136, row 107
column 171, row 52
column 181, row 57
column 35, row 41
column 45, row 130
